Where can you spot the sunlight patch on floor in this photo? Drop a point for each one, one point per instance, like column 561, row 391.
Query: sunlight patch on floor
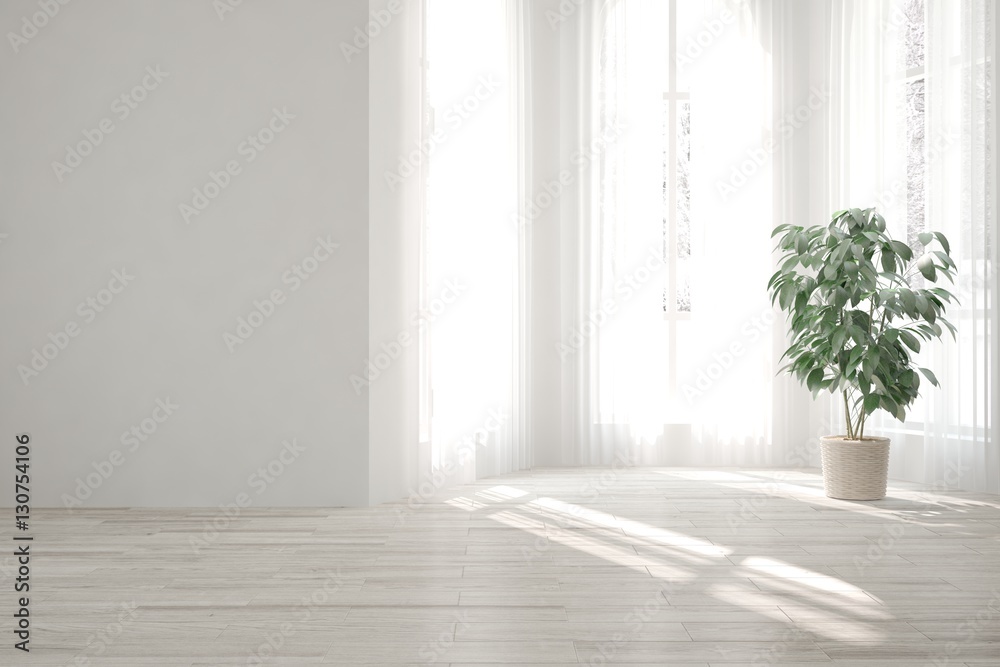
column 467, row 504
column 636, row 528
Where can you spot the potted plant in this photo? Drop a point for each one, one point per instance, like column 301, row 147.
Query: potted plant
column 858, row 304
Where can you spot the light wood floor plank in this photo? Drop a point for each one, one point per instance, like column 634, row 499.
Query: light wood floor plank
column 687, row 568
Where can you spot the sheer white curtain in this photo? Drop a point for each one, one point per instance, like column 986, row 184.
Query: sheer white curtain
column 911, row 130
column 669, row 136
column 643, row 150
column 962, row 421
column 471, row 315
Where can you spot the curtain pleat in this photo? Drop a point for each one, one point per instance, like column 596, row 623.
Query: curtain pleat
column 911, row 131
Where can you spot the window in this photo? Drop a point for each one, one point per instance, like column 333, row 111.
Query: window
column 911, row 59
column 469, row 252
column 924, row 157
column 651, row 53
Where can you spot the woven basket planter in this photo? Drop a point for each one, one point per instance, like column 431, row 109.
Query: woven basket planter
column 855, row 469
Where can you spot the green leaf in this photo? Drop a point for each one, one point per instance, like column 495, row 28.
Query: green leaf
column 893, row 276
column 785, row 295
column 889, row 405
column 777, row 274
column 868, row 274
column 926, row 266
column 789, row 263
column 868, row 366
column 800, row 300
column 910, row 340
column 906, row 296
column 925, row 237
column 857, row 334
column 951, row 328
column 943, row 241
column 801, row 243
column 814, row 378
column 945, row 258
column 843, row 296
column 902, row 250
column 930, row 376
column 888, row 260
column 839, row 336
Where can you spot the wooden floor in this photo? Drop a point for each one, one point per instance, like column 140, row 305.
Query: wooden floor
column 549, row 567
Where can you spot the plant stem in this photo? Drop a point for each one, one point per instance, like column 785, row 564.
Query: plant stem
column 847, row 417
column 859, row 422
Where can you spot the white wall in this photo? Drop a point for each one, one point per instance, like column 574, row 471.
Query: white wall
column 394, row 247
column 162, row 336
column 545, row 386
